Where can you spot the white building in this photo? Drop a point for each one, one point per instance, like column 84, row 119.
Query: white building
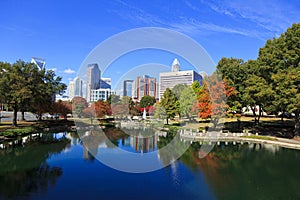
column 175, row 77
column 78, row 87
column 71, row 89
column 100, row 94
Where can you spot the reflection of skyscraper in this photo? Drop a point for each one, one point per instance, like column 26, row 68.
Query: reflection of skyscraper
column 127, row 88
column 143, row 144
column 93, row 78
column 77, row 87
column 143, row 86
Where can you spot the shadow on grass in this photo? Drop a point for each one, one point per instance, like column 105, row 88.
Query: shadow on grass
column 276, row 128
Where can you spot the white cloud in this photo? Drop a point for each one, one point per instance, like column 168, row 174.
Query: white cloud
column 69, row 71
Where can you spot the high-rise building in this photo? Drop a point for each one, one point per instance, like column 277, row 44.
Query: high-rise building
column 105, row 83
column 170, row 79
column 39, row 62
column 78, row 87
column 127, row 88
column 175, row 65
column 71, row 89
column 93, row 79
column 143, row 86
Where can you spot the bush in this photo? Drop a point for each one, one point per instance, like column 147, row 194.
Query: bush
column 18, row 132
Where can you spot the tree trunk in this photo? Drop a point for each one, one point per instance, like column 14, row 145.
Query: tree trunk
column 259, row 114
column 15, row 115
column 23, row 116
column 167, row 120
column 254, row 114
column 297, row 124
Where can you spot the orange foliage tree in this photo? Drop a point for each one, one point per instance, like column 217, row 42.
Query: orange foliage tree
column 212, row 96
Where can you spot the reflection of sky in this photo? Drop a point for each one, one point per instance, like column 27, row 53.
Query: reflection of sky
column 94, row 180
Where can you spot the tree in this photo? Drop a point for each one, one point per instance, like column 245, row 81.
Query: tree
column 23, row 86
column 235, row 72
column 177, row 90
column 168, row 102
column 160, row 111
column 14, row 86
column 78, row 105
column 147, row 101
column 279, row 62
column 63, row 108
column 186, row 101
column 212, row 97
column 113, row 98
column 90, row 112
column 101, row 108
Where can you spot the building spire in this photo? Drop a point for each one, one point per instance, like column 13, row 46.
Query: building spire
column 175, row 66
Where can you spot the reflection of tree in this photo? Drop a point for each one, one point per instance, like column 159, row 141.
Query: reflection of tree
column 236, row 171
column 170, row 146
column 24, row 170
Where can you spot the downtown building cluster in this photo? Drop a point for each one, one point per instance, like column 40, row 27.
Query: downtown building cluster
column 146, row 85
column 99, row 88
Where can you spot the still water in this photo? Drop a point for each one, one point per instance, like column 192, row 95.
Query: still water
column 59, row 166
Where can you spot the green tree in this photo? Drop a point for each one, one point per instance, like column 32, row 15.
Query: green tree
column 177, row 90
column 279, row 63
column 147, row 101
column 187, row 100
column 168, row 102
column 234, row 72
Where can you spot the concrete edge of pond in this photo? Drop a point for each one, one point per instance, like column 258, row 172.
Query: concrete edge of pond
column 286, row 143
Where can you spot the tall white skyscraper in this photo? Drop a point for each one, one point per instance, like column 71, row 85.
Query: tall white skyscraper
column 175, row 66
column 78, row 87
column 93, row 79
column 71, row 89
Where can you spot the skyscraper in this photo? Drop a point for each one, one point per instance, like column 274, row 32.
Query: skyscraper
column 143, row 86
column 71, row 89
column 39, row 62
column 127, row 88
column 93, row 79
column 175, row 65
column 78, row 87
column 170, row 79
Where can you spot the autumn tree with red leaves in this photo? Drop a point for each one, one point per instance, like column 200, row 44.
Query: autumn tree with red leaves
column 212, row 96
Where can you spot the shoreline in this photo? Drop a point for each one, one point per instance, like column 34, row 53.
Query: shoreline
column 240, row 137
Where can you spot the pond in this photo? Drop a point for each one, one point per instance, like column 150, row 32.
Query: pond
column 63, row 166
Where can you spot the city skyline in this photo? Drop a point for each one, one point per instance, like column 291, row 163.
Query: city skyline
column 57, row 33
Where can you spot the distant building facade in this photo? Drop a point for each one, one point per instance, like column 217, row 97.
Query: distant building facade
column 71, row 89
column 127, row 88
column 143, row 86
column 175, row 77
column 92, row 80
column 78, row 87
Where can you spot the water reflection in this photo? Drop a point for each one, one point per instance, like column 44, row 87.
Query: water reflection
column 23, row 166
column 242, row 171
column 39, row 166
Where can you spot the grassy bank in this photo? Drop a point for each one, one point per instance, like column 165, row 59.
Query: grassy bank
column 25, row 128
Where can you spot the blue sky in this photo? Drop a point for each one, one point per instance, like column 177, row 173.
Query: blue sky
column 64, row 32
